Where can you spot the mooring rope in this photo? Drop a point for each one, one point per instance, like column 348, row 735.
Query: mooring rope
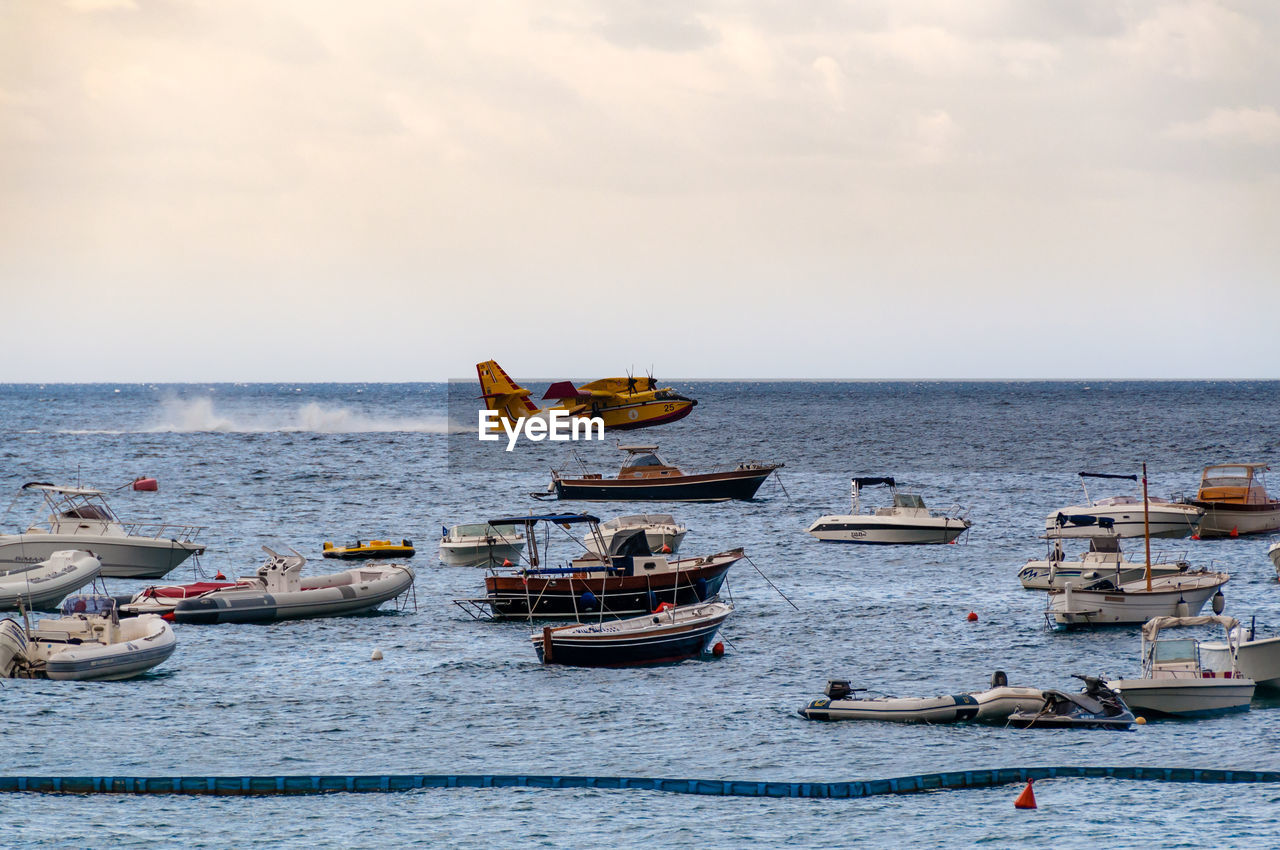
column 324, row 784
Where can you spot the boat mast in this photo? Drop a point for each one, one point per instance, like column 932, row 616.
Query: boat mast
column 1146, row 523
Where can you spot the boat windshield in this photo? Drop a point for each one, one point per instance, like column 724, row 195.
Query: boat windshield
column 642, row 460
column 88, row 604
column 907, row 500
column 1176, row 651
column 477, row 529
column 87, row 512
column 1227, row 476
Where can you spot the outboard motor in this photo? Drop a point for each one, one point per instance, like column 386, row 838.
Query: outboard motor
column 999, row 679
column 838, row 688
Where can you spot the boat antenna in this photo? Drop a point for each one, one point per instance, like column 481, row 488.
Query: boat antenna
column 1146, row 523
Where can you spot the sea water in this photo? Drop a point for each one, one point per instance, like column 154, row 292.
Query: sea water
column 293, row 465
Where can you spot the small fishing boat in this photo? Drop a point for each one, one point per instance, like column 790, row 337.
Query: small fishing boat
column 1095, row 707
column 479, row 545
column 1174, row 683
column 906, row 521
column 80, row 518
column 661, row 531
column 278, row 592
column 669, row 634
column 369, row 550
column 1235, row 501
column 646, row 477
column 627, row 582
column 41, row 586
column 1102, row 559
column 1164, row 518
column 993, row 705
column 88, row 642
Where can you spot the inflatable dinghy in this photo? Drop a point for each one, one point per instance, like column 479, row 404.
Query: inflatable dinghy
column 41, row 586
column 994, row 705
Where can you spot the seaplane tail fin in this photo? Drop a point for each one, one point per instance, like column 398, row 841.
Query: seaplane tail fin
column 502, row 394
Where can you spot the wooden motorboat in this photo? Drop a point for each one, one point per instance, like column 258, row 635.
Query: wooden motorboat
column 646, row 477
column 369, row 550
column 278, row 592
column 627, row 582
column 89, row 641
column 1124, row 514
column 41, row 586
column 1235, row 501
column 669, row 634
column 479, row 545
column 1174, row 683
column 80, row 518
column 844, row 702
column 907, row 520
column 1095, row 707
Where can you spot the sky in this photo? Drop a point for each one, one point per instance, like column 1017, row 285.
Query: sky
column 243, row 190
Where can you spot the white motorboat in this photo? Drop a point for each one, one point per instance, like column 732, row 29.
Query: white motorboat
column 43, row 585
column 1165, row 518
column 1175, row 683
column 278, row 592
column 1101, row 602
column 1235, row 501
column 662, row 532
column 80, row 518
column 1256, row 658
column 88, row 642
column 906, row 521
column 1102, row 559
column 993, row 705
column 1274, row 554
column 480, row 545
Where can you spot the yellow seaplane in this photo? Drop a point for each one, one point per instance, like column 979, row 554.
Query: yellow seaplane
column 623, row 403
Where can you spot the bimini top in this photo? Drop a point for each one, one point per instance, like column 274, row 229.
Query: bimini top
column 558, row 519
column 57, row 488
column 1085, row 519
column 871, row 482
column 1107, row 475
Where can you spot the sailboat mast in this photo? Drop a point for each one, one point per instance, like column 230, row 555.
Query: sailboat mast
column 1146, row 523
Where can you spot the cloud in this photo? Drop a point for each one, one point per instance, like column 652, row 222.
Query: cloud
column 1197, row 40
column 1231, row 126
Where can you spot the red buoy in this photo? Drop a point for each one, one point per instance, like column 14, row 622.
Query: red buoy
column 506, row 562
column 1027, row 799
column 973, row 617
column 219, row 576
column 718, row 649
column 149, row 484
column 1235, row 531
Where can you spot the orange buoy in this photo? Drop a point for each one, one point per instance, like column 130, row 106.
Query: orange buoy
column 973, row 617
column 149, row 484
column 219, row 576
column 1027, row 799
column 718, row 649
column 666, row 550
column 506, row 562
column 1235, row 531
column 1195, row 537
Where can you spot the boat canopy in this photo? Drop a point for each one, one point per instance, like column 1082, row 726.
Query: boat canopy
column 872, row 482
column 1107, row 475
column 88, row 604
column 56, row 488
column 1151, row 629
column 558, row 519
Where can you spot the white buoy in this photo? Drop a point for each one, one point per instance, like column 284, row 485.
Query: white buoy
column 377, row 655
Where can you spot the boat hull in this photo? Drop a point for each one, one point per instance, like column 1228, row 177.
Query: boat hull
column 578, row 595
column 948, row 709
column 256, row 606
column 1045, row 575
column 1166, row 520
column 616, row 644
column 1132, row 605
column 877, row 530
column 114, row 661
column 736, row 484
column 1258, row 660
column 43, row 585
column 1184, row 697
column 479, row 554
column 1224, row 520
column 121, row 556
